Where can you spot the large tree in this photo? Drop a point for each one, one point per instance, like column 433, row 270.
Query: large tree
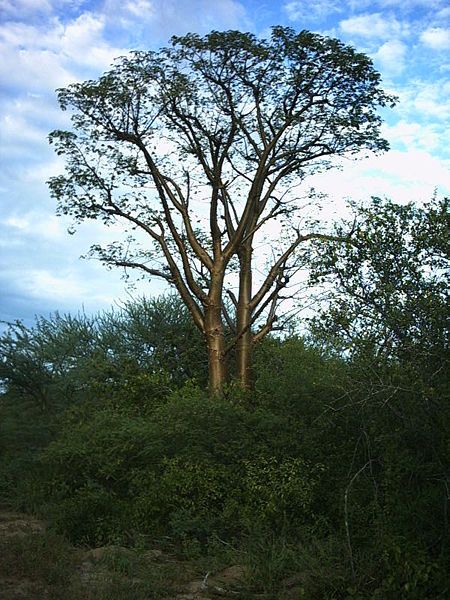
column 198, row 149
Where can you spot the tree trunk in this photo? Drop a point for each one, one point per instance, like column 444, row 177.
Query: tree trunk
column 215, row 340
column 244, row 331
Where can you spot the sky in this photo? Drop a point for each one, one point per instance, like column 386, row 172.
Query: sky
column 47, row 44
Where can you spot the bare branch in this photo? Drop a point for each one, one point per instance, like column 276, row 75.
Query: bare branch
column 136, row 265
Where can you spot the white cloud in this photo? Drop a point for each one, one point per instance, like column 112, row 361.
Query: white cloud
column 32, row 69
column 61, row 287
column 41, row 173
column 16, row 130
column 297, row 10
column 433, row 100
column 86, row 33
column 444, row 13
column 17, row 223
column 424, row 101
column 80, row 282
column 23, row 8
column 410, row 4
column 31, row 9
column 403, row 176
column 410, row 134
column 437, row 38
column 376, row 25
column 38, row 58
column 160, row 19
column 391, row 56
column 24, row 124
column 415, row 170
column 48, row 227
column 141, row 8
column 355, row 5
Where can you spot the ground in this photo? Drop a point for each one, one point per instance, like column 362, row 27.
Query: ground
column 38, row 564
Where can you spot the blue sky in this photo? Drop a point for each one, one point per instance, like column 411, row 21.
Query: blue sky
column 45, row 44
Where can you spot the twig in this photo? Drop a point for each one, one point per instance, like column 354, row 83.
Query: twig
column 347, row 527
column 205, row 581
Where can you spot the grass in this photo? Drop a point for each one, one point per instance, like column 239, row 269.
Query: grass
column 45, row 565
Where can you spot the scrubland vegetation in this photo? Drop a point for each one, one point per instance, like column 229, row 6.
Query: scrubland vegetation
column 327, row 480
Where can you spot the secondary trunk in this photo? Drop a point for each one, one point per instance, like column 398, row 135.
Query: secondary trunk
column 244, row 330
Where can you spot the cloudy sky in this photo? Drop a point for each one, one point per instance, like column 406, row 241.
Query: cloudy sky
column 46, row 44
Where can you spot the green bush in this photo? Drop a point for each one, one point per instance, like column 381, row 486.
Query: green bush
column 332, row 471
column 90, row 516
column 279, row 492
column 403, row 569
column 193, row 467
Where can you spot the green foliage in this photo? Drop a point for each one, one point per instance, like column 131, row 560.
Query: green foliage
column 62, row 358
column 389, row 284
column 46, row 565
column 269, row 559
column 52, row 372
column 192, row 469
column 306, row 378
column 90, row 515
column 279, row 492
column 198, row 495
column 409, row 573
column 329, row 480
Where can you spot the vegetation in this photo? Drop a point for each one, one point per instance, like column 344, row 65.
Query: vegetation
column 327, row 480
column 199, row 150
column 316, row 467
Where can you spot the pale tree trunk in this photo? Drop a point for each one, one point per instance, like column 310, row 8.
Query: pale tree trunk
column 243, row 321
column 215, row 340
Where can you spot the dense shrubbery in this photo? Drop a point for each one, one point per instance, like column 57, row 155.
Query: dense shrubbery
column 308, row 474
column 334, row 469
column 193, row 467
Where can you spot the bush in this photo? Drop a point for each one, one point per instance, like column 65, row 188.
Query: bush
column 192, row 467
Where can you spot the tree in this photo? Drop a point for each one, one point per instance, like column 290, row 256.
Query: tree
column 64, row 358
column 198, row 149
column 389, row 286
column 387, row 317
